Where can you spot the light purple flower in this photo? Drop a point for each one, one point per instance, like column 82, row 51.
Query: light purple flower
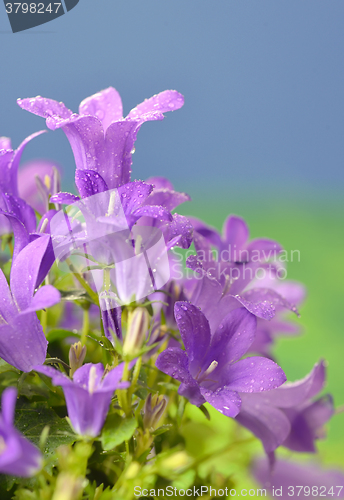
column 234, row 243
column 37, row 180
column 267, row 331
column 88, row 395
column 293, row 479
column 289, row 415
column 210, row 370
column 101, row 139
column 22, row 341
column 18, row 457
column 9, row 163
column 223, row 286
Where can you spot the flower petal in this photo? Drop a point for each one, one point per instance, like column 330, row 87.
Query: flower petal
column 262, row 302
column 292, row 477
column 269, row 424
column 105, row 105
column 169, row 100
column 263, row 249
column 8, row 405
column 160, row 182
column 174, row 362
column 166, row 198
column 46, row 296
column 223, row 400
column 64, row 198
column 235, row 232
column 89, row 183
column 232, row 338
column 252, row 375
column 195, row 332
column 25, row 271
column 22, row 342
column 44, row 107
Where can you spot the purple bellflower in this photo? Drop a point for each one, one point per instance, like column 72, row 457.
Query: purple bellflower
column 9, row 192
column 302, row 480
column 88, row 395
column 18, row 457
column 101, row 139
column 219, row 290
column 233, row 244
column 267, row 331
column 210, row 370
column 289, row 415
column 22, row 341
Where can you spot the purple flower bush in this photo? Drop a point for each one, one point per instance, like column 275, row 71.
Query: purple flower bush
column 118, row 352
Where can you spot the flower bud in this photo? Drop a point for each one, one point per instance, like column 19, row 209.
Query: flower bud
column 68, row 487
column 77, row 353
column 138, row 324
column 153, row 410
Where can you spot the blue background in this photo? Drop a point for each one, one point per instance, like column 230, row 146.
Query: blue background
column 263, row 83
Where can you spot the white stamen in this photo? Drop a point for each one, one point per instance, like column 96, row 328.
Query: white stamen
column 92, row 380
column 44, row 225
column 111, row 208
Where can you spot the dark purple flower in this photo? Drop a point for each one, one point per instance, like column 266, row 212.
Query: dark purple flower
column 22, row 341
column 18, row 457
column 210, row 370
column 101, row 139
column 294, row 479
column 289, row 415
column 88, row 395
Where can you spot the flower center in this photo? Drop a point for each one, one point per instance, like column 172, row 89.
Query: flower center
column 207, row 372
column 92, row 380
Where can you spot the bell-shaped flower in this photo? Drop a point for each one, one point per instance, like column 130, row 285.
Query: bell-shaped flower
column 234, row 245
column 10, row 198
column 289, row 415
column 296, row 479
column 210, row 369
column 22, row 341
column 101, row 139
column 18, row 457
column 88, row 395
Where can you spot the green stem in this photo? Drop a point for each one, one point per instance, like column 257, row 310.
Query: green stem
column 85, row 326
column 44, row 319
column 83, row 283
column 135, row 378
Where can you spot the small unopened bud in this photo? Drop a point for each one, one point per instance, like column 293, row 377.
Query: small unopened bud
column 153, row 410
column 176, row 461
column 138, row 324
column 77, row 353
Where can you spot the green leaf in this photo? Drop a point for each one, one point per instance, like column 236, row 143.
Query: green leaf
column 116, row 430
column 5, row 367
column 205, row 412
column 162, row 430
column 74, row 294
column 59, row 334
column 31, row 420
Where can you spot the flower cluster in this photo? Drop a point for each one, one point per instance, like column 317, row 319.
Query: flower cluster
column 145, row 348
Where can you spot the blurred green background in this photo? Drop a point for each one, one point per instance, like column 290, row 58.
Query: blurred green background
column 315, row 228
